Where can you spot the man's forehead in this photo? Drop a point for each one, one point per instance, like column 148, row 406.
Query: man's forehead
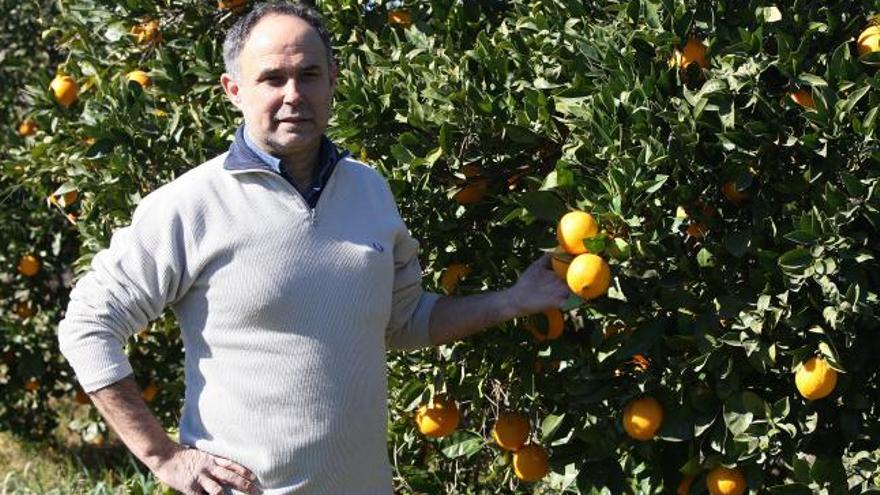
column 283, row 34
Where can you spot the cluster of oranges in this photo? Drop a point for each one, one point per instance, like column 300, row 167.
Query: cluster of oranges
column 587, row 274
column 511, row 432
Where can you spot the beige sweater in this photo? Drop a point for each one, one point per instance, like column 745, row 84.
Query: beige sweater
column 285, row 315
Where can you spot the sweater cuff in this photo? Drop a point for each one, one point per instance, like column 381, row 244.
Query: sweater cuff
column 421, row 322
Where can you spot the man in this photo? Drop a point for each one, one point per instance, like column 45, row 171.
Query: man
column 290, row 271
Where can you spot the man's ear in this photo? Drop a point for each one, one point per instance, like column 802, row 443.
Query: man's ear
column 334, row 74
column 231, row 88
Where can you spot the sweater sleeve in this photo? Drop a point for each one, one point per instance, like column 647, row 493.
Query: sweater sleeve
column 410, row 306
column 130, row 283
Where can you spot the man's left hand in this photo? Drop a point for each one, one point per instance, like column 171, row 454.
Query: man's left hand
column 538, row 289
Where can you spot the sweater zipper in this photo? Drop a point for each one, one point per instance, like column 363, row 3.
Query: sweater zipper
column 313, row 219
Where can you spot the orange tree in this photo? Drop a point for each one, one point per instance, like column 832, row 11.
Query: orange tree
column 727, row 150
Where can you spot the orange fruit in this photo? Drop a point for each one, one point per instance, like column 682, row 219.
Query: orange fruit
column 473, row 191
column 146, row 31
column 869, row 40
column 573, row 228
column 400, row 17
column 24, row 309
column 734, row 195
column 547, row 325
column 32, row 385
column 439, row 419
column 694, row 52
column 551, row 366
column 27, row 128
column 588, row 276
column 139, row 77
column 642, row 418
column 471, row 170
column 815, row 379
column 231, row 4
column 697, row 230
column 640, row 362
column 560, row 260
column 684, row 486
column 452, row 274
column 531, row 463
column 613, row 329
column 511, row 431
column 725, row 481
column 29, row 265
column 64, row 89
column 803, row 98
column 149, row 393
column 82, row 398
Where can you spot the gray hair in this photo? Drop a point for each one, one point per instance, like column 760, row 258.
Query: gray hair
column 241, row 30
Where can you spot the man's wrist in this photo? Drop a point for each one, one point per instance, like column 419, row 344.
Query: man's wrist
column 161, row 453
column 510, row 307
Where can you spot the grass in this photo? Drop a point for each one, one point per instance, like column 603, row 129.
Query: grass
column 45, row 468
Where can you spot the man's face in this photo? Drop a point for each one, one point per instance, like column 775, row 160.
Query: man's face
column 285, row 85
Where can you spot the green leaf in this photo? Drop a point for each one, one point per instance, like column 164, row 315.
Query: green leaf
column 543, row 205
column 462, row 444
column 737, row 243
column 550, row 425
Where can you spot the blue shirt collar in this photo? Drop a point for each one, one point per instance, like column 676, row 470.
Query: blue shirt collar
column 271, row 161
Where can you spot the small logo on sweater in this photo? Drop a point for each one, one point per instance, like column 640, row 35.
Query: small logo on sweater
column 378, row 247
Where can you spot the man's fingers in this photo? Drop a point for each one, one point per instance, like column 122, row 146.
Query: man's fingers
column 233, row 479
column 209, row 485
column 235, row 468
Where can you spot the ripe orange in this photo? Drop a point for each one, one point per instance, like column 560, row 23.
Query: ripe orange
column 573, row 228
column 438, row 420
column 511, row 431
column 150, row 392
column 613, row 329
column 400, row 17
column 146, row 31
column 231, row 4
column 24, row 309
column 560, row 260
column 694, row 53
column 697, row 230
column 869, row 40
column 452, row 274
column 642, row 418
column 547, row 325
column 640, row 362
column 588, row 276
column 531, row 463
column 803, row 98
column 734, row 195
column 27, row 128
column 538, row 367
column 65, row 90
column 815, row 379
column 725, row 481
column 32, row 385
column 29, row 265
column 684, row 486
column 473, row 191
column 140, row 77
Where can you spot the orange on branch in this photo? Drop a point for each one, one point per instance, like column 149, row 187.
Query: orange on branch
column 64, row 89
column 642, row 418
column 531, row 463
column 815, row 378
column 589, row 276
column 29, row 265
column 439, row 419
column 573, row 228
column 511, row 431
column 725, row 481
column 547, row 325
column 452, row 275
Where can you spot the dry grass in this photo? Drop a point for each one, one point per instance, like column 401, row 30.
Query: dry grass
column 75, row 468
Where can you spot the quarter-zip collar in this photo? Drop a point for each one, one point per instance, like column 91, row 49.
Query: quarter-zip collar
column 245, row 156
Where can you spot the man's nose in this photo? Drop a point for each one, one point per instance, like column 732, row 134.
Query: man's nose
column 292, row 92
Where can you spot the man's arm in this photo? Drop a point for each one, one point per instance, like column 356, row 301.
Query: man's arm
column 538, row 289
column 187, row 470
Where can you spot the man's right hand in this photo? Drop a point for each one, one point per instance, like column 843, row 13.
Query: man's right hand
column 194, row 472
